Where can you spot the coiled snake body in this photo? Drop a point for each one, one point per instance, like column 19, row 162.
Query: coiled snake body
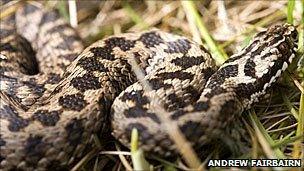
column 51, row 105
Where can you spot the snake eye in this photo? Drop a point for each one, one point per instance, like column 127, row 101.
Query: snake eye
column 283, row 48
column 294, row 35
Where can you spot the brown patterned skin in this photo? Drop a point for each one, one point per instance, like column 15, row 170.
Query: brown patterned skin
column 205, row 111
column 47, row 119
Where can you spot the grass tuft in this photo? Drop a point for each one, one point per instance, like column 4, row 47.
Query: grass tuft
column 219, row 54
column 290, row 9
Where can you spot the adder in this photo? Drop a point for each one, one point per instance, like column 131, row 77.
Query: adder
column 55, row 95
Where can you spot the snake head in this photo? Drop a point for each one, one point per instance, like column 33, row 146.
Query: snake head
column 271, row 52
column 259, row 64
column 281, row 40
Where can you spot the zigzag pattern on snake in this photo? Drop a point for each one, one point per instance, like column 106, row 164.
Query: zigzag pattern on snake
column 55, row 95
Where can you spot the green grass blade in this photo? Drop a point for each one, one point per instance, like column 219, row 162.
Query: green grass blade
column 292, row 110
column 219, row 55
column 297, row 148
column 287, row 140
column 62, row 8
column 137, row 155
column 264, row 138
column 290, row 8
column 137, row 19
column 300, row 128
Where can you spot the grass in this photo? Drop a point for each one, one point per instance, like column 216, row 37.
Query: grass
column 264, row 138
column 134, row 16
column 290, row 9
column 273, row 138
column 218, row 53
column 276, row 126
column 137, row 155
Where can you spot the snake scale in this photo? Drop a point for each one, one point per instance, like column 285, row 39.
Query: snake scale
column 55, row 95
